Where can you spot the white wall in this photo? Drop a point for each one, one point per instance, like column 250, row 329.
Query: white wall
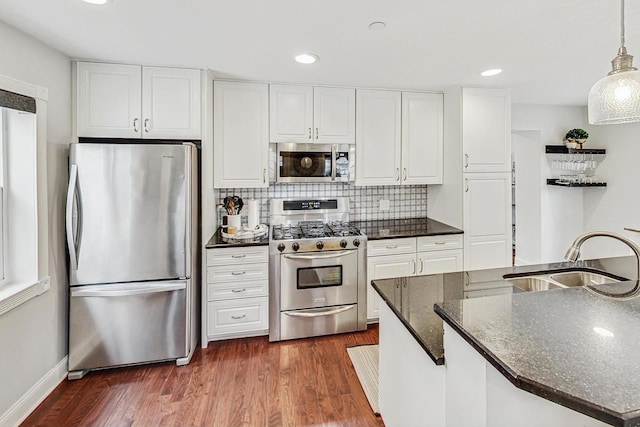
column 619, row 205
column 33, row 336
column 554, row 214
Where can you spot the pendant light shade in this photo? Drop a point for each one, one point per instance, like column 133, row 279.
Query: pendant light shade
column 616, row 97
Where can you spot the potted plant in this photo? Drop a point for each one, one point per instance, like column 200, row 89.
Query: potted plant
column 575, row 138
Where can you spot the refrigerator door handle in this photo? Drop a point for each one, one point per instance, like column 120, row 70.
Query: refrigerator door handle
column 127, row 292
column 71, row 239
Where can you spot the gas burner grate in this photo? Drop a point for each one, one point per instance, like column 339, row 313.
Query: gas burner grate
column 313, row 230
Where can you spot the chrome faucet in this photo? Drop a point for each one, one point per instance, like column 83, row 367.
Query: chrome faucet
column 574, row 251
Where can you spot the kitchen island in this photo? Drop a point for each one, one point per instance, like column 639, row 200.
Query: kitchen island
column 558, row 357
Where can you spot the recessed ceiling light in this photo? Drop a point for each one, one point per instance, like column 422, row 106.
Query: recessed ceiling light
column 95, row 1
column 492, row 72
column 306, row 58
column 377, row 26
column 602, row 331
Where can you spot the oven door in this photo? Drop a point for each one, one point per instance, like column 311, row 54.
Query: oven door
column 318, row 279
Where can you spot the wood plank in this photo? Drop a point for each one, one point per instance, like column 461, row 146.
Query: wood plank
column 236, row 382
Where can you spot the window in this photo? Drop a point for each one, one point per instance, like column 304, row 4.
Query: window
column 22, row 196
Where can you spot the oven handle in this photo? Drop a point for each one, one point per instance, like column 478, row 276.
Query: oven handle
column 318, row 313
column 314, row 256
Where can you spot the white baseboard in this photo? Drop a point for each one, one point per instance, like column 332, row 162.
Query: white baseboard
column 20, row 410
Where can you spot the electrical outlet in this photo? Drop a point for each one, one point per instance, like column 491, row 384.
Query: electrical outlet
column 384, row 204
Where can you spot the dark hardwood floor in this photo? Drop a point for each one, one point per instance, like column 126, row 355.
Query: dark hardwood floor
column 244, row 382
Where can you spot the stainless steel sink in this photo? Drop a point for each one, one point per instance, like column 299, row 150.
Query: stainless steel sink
column 565, row 279
column 534, row 283
column 581, row 278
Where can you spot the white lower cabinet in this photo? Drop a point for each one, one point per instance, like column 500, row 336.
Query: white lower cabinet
column 237, row 292
column 412, row 256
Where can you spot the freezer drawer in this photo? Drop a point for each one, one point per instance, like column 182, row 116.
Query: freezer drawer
column 127, row 323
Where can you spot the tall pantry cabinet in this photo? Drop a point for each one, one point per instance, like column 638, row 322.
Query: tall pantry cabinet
column 476, row 195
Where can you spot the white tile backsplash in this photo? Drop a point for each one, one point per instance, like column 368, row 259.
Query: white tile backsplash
column 407, row 201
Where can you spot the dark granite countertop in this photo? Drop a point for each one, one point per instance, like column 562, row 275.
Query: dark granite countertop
column 398, row 228
column 542, row 342
column 217, row 241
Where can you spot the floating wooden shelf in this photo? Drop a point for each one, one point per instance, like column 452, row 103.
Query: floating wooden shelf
column 555, row 181
column 562, row 149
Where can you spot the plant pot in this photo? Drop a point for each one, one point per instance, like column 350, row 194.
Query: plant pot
column 571, row 144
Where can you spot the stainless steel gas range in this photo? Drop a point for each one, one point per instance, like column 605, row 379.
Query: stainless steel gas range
column 317, row 269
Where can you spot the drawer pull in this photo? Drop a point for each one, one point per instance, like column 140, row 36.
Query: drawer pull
column 440, row 243
column 238, row 317
column 237, row 291
column 392, row 247
column 238, row 256
column 236, row 273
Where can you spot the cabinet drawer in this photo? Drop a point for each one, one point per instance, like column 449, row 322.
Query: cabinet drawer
column 437, row 262
column 385, row 267
column 391, row 246
column 237, row 273
column 241, row 315
column 226, row 256
column 234, row 290
column 438, row 243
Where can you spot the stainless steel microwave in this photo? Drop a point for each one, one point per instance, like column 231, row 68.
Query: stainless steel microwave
column 315, row 162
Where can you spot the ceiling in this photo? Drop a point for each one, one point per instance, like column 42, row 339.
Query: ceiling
column 551, row 51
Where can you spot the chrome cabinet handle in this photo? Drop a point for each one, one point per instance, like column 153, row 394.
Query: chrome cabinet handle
column 238, row 317
column 440, row 243
column 397, row 174
column 146, row 125
column 238, row 256
column 309, row 133
column 421, row 265
column 413, row 267
column 238, row 291
column 405, row 174
column 264, row 176
column 241, row 273
column 466, row 160
column 135, row 125
column 316, row 133
column 392, row 246
column 466, row 185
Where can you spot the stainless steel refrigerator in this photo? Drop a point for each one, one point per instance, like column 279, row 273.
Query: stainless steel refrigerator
column 132, row 227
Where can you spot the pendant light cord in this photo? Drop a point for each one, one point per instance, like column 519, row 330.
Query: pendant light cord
column 621, row 23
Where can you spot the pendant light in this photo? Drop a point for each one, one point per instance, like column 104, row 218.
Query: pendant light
column 616, row 97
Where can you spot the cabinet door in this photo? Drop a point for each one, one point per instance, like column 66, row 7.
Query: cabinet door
column 486, row 130
column 108, row 100
column 422, row 138
column 171, row 103
column 240, row 134
column 378, row 137
column 437, row 262
column 385, row 267
column 291, row 113
column 487, row 220
column 334, row 115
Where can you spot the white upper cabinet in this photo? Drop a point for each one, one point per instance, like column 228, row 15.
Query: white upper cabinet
column 486, row 130
column 240, row 134
column 171, row 103
column 312, row 114
column 129, row 101
column 422, row 140
column 109, row 100
column 399, row 138
column 378, row 130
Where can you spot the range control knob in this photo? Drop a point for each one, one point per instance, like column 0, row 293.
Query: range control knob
column 281, row 247
column 319, row 244
column 356, row 242
column 295, row 246
column 343, row 243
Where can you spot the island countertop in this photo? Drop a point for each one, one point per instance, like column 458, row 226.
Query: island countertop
column 543, row 342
